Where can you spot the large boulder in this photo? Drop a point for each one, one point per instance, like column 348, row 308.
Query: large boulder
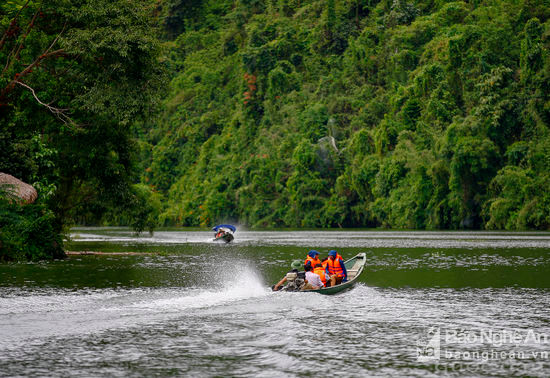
column 16, row 190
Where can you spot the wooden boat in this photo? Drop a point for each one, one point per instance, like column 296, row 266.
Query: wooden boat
column 354, row 267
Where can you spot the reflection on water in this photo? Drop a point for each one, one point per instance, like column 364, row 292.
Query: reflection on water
column 203, row 309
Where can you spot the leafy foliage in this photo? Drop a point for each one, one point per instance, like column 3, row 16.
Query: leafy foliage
column 401, row 114
column 28, row 233
column 76, row 78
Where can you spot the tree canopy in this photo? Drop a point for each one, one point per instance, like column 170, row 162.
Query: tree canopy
column 76, row 78
column 399, row 114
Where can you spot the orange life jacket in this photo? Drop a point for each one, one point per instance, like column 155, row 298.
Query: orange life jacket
column 313, row 261
column 321, row 273
column 334, row 266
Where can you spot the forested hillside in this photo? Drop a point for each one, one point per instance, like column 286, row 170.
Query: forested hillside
column 403, row 114
column 291, row 113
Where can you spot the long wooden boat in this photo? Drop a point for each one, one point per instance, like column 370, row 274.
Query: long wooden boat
column 354, row 267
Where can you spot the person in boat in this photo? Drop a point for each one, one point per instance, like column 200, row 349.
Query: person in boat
column 313, row 281
column 283, row 280
column 312, row 259
column 324, row 263
column 320, row 270
column 336, row 268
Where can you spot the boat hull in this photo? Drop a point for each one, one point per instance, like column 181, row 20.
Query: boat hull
column 335, row 289
column 226, row 238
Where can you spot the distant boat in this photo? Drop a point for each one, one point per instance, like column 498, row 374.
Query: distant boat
column 354, row 267
column 224, row 232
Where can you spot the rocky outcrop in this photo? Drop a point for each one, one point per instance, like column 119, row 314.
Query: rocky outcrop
column 16, row 190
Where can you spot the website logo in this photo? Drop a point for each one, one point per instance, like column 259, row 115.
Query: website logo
column 473, row 351
column 429, row 349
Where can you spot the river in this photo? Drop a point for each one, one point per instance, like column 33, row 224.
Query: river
column 428, row 304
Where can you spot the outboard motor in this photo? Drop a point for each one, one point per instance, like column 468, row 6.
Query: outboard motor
column 295, row 281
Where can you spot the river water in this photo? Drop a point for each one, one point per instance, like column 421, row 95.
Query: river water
column 428, row 304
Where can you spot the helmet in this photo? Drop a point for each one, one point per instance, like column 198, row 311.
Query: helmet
column 297, row 264
column 312, row 253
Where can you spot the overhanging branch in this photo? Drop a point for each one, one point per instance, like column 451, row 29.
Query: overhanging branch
column 29, row 69
column 59, row 113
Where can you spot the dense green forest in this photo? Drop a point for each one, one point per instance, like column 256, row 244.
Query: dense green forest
column 76, row 77
column 399, row 114
column 360, row 113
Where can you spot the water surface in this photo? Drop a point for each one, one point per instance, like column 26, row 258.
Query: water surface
column 198, row 308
